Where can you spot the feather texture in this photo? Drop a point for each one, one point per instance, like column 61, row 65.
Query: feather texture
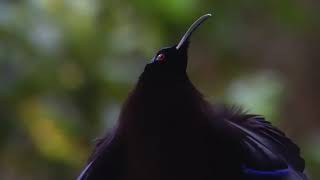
column 197, row 138
column 268, row 152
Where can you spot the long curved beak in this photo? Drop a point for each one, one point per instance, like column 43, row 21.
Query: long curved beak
column 191, row 29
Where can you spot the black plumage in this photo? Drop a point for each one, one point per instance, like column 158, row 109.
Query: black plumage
column 167, row 130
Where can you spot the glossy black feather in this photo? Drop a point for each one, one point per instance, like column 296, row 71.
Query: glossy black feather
column 168, row 131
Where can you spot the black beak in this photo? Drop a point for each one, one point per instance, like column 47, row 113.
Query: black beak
column 191, row 29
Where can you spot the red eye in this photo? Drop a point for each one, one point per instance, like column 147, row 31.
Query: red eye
column 160, row 57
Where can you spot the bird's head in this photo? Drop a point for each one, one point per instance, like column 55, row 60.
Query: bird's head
column 171, row 62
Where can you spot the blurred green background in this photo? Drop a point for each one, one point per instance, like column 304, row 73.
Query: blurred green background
column 66, row 66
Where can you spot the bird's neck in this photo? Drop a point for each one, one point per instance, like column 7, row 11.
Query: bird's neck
column 169, row 107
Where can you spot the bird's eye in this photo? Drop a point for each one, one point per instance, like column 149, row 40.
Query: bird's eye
column 160, row 57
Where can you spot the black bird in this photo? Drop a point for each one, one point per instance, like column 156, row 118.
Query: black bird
column 168, row 131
